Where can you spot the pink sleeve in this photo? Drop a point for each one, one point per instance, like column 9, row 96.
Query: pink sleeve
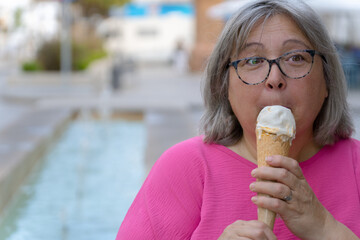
column 356, row 158
column 168, row 204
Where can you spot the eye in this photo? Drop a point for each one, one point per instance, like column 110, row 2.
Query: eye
column 296, row 58
column 254, row 61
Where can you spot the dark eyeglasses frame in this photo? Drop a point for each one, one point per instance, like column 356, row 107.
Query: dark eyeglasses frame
column 277, row 62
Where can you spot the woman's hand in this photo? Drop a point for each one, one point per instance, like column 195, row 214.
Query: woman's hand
column 247, row 230
column 303, row 214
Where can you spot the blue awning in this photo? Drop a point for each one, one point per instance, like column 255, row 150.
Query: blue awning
column 143, row 10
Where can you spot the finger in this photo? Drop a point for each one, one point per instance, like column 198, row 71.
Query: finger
column 251, row 229
column 270, row 234
column 280, row 175
column 274, row 189
column 274, row 204
column 285, row 162
column 260, row 231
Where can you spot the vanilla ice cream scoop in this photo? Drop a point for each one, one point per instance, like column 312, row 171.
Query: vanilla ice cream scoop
column 276, row 120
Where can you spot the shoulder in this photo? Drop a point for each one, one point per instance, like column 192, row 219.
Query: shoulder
column 169, row 202
column 187, row 160
column 192, row 152
column 189, row 146
column 355, row 145
column 186, row 154
column 345, row 145
column 346, row 149
column 350, row 143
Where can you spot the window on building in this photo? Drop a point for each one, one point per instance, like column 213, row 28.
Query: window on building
column 147, row 32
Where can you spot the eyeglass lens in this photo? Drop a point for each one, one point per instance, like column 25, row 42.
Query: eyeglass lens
column 256, row 69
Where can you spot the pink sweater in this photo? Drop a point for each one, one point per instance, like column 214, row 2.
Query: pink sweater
column 195, row 190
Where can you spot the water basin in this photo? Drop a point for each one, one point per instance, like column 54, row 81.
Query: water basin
column 84, row 187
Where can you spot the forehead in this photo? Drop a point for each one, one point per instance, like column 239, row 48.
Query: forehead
column 276, row 31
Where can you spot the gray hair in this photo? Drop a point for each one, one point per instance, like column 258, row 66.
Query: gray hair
column 220, row 125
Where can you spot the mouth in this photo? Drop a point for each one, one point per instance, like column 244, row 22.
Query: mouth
column 283, row 105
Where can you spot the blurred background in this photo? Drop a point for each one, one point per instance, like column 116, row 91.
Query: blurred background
column 92, row 92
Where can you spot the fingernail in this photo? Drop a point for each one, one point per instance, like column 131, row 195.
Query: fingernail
column 269, row 159
column 254, row 198
column 252, row 186
column 253, row 173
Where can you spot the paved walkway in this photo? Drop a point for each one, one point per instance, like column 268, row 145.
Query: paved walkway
column 170, row 102
column 33, row 106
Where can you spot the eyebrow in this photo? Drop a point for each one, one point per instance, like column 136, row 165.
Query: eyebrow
column 247, row 45
column 296, row 41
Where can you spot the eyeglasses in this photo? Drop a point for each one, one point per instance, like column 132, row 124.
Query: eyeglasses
column 295, row 64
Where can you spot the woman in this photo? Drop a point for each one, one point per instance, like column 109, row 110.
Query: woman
column 205, row 188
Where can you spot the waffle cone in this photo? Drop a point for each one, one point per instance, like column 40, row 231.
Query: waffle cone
column 267, row 145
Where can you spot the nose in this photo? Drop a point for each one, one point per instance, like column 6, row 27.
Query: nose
column 276, row 79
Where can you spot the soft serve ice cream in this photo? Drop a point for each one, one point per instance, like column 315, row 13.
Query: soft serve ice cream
column 277, row 120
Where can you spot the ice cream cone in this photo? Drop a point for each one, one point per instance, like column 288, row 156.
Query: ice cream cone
column 275, row 130
column 267, row 145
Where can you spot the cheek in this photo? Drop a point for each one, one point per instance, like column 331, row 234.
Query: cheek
column 313, row 89
column 317, row 91
column 243, row 103
column 309, row 100
column 318, row 83
column 237, row 93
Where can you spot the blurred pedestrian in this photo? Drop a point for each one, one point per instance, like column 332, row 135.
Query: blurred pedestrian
column 180, row 58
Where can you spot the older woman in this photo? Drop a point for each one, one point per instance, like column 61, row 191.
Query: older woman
column 271, row 52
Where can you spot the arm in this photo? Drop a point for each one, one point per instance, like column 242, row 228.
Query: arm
column 336, row 230
column 168, row 204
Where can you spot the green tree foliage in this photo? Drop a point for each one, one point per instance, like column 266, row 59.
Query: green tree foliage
column 91, row 7
column 48, row 56
column 18, row 16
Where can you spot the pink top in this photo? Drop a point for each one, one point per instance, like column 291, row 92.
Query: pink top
column 195, row 190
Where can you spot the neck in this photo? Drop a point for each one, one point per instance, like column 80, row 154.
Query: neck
column 302, row 148
column 245, row 148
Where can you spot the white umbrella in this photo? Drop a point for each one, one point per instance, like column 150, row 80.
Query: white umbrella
column 335, row 6
column 225, row 9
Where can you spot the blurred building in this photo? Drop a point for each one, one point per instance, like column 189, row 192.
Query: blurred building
column 149, row 31
column 207, row 32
